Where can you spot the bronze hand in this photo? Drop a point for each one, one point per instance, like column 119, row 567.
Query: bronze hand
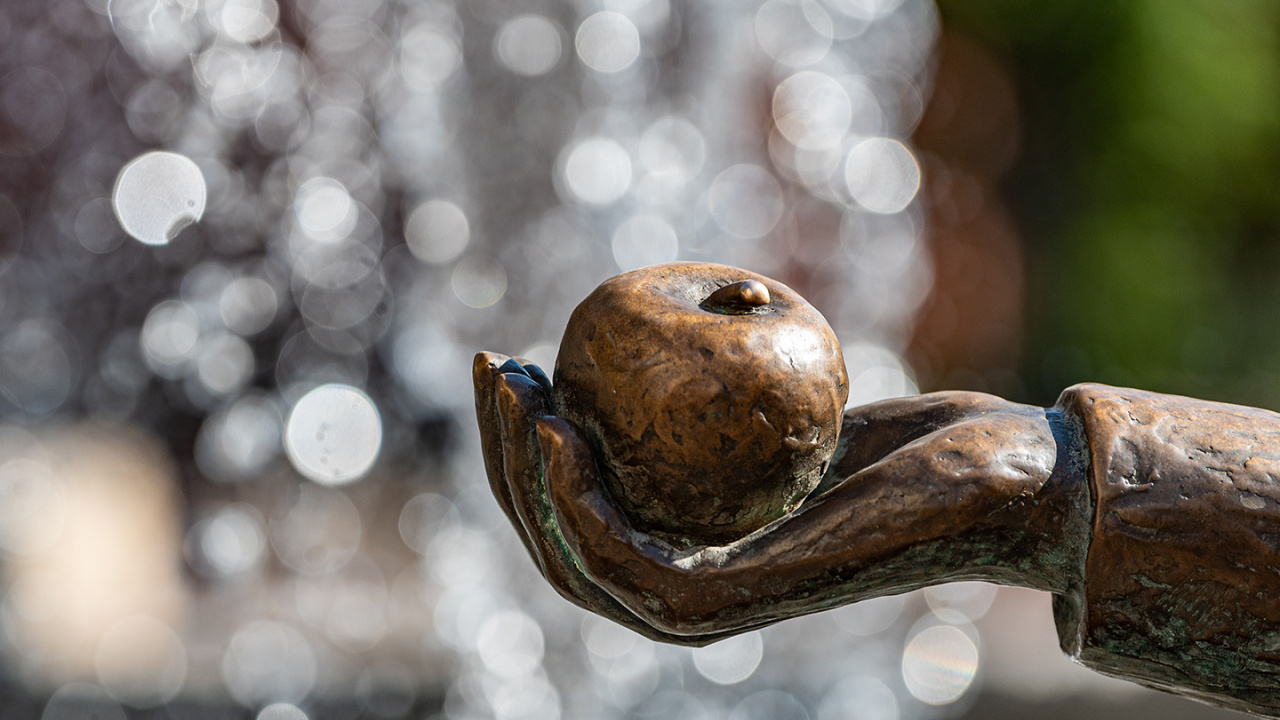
column 511, row 396
column 919, row 493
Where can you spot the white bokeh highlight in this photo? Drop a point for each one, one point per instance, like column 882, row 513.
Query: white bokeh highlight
column 882, row 175
column 528, row 45
column 608, row 42
column 730, row 661
column 333, row 434
column 158, row 194
column 939, row 664
column 598, row 171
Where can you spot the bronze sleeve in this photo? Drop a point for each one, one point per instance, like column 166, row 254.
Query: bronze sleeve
column 1182, row 576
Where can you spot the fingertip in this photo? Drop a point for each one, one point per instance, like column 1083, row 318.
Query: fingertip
column 487, row 363
column 538, row 376
column 513, row 388
column 512, row 367
column 507, row 396
column 534, row 372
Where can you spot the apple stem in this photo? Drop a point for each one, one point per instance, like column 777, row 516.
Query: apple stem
column 739, row 297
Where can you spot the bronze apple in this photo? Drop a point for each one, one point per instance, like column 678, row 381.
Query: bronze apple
column 711, row 395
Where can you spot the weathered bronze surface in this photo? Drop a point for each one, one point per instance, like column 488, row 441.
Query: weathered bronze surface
column 1182, row 579
column 1154, row 519
column 712, row 396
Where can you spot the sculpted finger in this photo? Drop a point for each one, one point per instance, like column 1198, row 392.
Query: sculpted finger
column 567, row 462
column 536, row 373
column 485, row 369
column 587, row 518
column 521, row 404
column 521, row 401
column 644, row 576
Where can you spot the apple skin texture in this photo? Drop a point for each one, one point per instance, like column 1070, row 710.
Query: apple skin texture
column 709, row 421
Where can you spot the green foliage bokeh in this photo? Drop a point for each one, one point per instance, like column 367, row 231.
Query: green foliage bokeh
column 1148, row 192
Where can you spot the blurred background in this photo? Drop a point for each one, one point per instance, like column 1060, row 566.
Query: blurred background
column 249, row 247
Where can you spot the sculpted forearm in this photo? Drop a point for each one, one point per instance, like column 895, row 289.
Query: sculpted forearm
column 952, row 496
column 1154, row 519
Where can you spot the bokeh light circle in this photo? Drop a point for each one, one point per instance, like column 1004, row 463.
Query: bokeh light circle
column 437, row 231
column 528, row 45
column 939, row 664
column 882, row 175
column 598, row 171
column 333, row 434
column 157, row 195
column 730, row 661
column 608, row 42
column 812, row 110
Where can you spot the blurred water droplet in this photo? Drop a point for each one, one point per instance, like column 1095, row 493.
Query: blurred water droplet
column 479, row 283
column 268, row 662
column 157, row 195
column 673, row 705
column 730, row 661
column 281, row 711
column 352, row 434
column 437, row 231
column 225, row 365
column 938, row 664
column 237, row 443
column 528, row 45
column 862, row 697
column 794, row 32
column 510, row 644
column 607, row 639
column 248, row 305
column 673, row 150
column 526, row 698
column 423, row 517
column 812, row 110
column 244, row 21
column 230, row 542
column 325, row 210
column 170, row 338
column 429, row 55
column 460, row 612
column 154, row 111
column 608, row 42
column 357, row 618
column 875, row 373
column 882, row 175
column 598, row 171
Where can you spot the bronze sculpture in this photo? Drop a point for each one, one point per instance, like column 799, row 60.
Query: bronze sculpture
column 1153, row 519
